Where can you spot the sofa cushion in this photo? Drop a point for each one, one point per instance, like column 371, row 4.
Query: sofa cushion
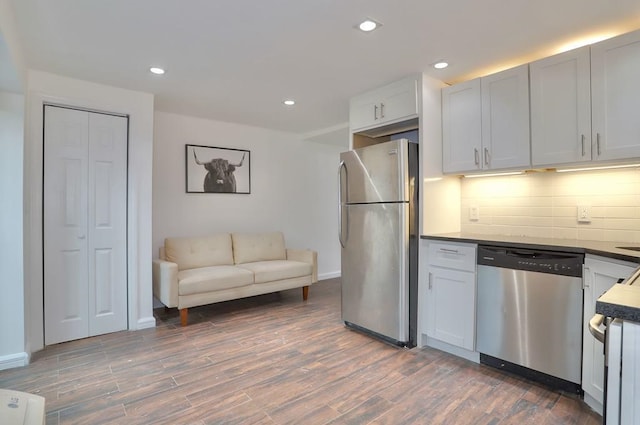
column 191, row 253
column 207, row 279
column 268, row 271
column 252, row 247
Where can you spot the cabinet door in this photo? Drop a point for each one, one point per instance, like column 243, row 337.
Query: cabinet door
column 451, row 307
column 461, row 127
column 615, row 95
column 363, row 110
column 394, row 102
column 398, row 101
column 561, row 108
column 600, row 276
column 505, row 119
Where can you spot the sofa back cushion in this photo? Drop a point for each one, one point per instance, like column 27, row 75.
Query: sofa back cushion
column 191, row 253
column 251, row 247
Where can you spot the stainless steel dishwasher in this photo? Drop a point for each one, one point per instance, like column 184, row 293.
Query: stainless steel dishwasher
column 529, row 314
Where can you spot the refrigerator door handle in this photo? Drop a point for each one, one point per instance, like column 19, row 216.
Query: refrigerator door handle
column 340, row 167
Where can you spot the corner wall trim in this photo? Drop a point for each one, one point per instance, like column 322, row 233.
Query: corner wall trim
column 146, row 323
column 14, row 360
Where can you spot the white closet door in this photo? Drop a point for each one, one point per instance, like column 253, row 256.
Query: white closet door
column 107, row 223
column 65, row 224
column 85, row 156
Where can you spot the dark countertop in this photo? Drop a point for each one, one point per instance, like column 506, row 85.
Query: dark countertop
column 621, row 301
column 604, row 249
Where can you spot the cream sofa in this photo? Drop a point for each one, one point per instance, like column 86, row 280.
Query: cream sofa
column 197, row 271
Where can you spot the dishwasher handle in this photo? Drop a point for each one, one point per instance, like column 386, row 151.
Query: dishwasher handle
column 594, row 327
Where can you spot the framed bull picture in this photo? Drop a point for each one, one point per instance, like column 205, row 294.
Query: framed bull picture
column 217, row 170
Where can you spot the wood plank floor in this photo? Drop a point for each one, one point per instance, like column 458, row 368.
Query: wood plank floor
column 275, row 359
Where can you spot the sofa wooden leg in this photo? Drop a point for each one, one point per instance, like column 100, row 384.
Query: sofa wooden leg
column 305, row 292
column 184, row 314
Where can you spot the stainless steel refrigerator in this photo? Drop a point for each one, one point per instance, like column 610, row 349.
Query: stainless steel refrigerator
column 379, row 239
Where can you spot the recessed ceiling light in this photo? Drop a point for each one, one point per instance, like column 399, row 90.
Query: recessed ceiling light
column 289, row 102
column 158, row 71
column 368, row 25
column 440, row 65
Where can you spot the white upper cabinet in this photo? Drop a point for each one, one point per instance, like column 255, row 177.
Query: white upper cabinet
column 461, row 127
column 561, row 108
column 389, row 104
column 486, row 123
column 615, row 98
column 505, row 119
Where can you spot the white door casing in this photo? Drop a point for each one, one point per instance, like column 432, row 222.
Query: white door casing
column 85, row 179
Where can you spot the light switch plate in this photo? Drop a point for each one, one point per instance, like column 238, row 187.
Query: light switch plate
column 584, row 214
column 474, row 213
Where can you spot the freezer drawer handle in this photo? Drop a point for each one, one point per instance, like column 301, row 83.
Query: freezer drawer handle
column 340, row 167
column 594, row 327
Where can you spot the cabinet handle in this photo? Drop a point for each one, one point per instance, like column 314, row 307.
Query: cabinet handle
column 583, row 152
column 381, row 110
column 585, row 280
column 598, row 143
column 594, row 327
column 476, row 157
column 430, row 281
column 486, row 156
column 453, row 251
column 375, row 112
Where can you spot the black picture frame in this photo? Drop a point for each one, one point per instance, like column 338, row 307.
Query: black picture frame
column 212, row 169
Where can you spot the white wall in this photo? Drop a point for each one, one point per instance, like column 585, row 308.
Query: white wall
column 293, row 187
column 12, row 329
column 10, row 35
column 440, row 195
column 545, row 205
column 49, row 88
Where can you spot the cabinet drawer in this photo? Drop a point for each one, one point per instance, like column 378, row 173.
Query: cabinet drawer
column 452, row 256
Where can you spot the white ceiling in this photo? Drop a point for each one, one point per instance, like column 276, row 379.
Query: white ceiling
column 236, row 60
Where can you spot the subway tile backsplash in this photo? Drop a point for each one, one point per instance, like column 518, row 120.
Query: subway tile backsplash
column 545, row 204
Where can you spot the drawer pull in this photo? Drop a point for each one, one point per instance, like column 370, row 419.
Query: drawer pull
column 594, row 327
column 452, row 251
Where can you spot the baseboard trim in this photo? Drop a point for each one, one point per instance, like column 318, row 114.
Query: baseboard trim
column 329, row 275
column 451, row 349
column 594, row 404
column 14, row 360
column 146, row 323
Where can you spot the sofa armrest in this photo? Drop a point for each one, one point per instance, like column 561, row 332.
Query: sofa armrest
column 305, row 256
column 165, row 282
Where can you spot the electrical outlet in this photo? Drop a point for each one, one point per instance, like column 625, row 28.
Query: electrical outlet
column 584, row 214
column 474, row 213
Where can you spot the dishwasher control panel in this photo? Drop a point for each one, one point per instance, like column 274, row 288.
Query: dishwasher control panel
column 553, row 262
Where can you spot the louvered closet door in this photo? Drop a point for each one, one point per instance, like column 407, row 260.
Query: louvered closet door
column 85, row 179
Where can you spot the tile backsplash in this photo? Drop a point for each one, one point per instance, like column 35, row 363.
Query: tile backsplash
column 545, row 204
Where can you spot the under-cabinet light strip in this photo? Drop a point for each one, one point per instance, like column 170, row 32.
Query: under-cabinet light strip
column 610, row 167
column 511, row 173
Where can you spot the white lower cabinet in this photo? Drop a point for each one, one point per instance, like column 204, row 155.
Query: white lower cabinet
column 451, row 307
column 448, row 295
column 600, row 274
